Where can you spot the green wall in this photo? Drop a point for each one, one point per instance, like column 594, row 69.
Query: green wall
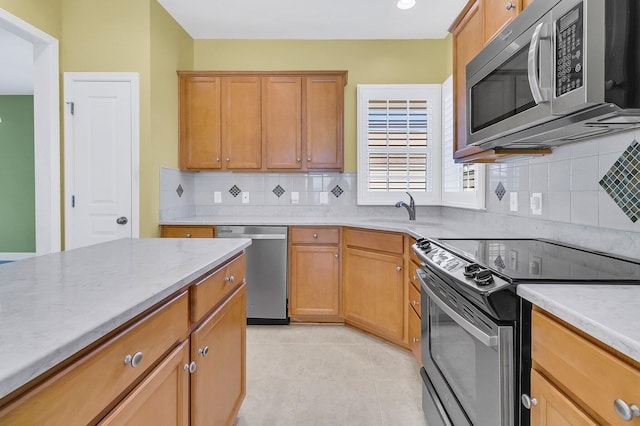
column 17, row 175
column 367, row 61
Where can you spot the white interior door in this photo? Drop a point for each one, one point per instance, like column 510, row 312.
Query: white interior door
column 101, row 136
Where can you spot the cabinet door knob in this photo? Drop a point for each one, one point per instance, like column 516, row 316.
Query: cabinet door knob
column 134, row 360
column 398, row 268
column 190, row 367
column 510, row 5
column 414, row 278
column 217, row 159
column 626, row 411
column 335, row 255
column 230, row 279
column 204, row 351
column 188, row 235
column 228, row 159
column 298, row 160
column 415, row 340
column 528, row 402
column 308, row 158
column 415, row 302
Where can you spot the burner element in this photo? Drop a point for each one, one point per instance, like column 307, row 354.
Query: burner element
column 471, row 269
column 483, row 277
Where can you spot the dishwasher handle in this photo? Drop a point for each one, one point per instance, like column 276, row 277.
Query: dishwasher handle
column 256, row 236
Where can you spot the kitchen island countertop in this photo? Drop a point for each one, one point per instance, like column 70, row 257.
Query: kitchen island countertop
column 54, row 305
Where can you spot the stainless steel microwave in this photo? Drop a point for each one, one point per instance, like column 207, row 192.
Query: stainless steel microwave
column 561, row 71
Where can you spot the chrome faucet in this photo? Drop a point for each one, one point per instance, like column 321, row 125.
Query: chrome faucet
column 411, row 207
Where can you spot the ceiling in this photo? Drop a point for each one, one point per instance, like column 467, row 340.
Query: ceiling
column 319, row 19
column 16, row 72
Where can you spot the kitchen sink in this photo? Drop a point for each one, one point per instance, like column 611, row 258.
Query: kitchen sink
column 400, row 221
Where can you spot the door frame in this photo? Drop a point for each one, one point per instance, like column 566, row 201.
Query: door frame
column 69, row 170
column 46, row 109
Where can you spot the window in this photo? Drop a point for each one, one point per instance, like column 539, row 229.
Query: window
column 405, row 144
column 398, row 143
column 462, row 184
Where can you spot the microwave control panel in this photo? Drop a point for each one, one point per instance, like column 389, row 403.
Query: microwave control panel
column 569, row 51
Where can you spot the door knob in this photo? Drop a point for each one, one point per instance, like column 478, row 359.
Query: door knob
column 510, row 5
column 122, row 220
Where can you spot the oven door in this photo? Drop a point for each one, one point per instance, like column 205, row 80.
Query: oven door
column 468, row 358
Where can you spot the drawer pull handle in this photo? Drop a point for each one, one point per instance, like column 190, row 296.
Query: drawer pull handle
column 415, row 278
column 415, row 340
column 204, row 351
column 230, row 279
column 315, row 235
column 134, row 360
column 190, row 367
column 188, row 235
column 398, row 268
column 415, row 302
column 528, row 402
column 625, row 411
column 510, row 5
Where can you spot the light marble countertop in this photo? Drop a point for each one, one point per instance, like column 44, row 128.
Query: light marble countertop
column 610, row 313
column 54, row 305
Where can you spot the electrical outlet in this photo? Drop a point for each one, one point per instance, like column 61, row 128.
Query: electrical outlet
column 217, row 197
column 513, row 201
column 245, row 197
column 295, row 197
column 324, row 198
column 536, row 203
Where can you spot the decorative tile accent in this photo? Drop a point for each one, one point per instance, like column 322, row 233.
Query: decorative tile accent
column 500, row 191
column 622, row 181
column 499, row 262
column 235, row 191
column 180, row 191
column 278, row 190
column 337, row 191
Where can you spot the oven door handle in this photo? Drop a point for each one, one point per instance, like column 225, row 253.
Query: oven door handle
column 489, row 341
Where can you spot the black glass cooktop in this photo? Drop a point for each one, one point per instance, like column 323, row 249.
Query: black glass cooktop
column 538, row 260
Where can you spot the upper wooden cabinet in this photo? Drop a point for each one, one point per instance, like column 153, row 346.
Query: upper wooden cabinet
column 324, row 104
column 497, row 14
column 282, row 122
column 241, row 122
column 476, row 25
column 261, row 121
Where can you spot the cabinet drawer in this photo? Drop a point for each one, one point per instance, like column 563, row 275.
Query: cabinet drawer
column 594, row 377
column 211, row 290
column 318, row 235
column 187, row 231
column 412, row 255
column 80, row 392
column 414, row 299
column 371, row 240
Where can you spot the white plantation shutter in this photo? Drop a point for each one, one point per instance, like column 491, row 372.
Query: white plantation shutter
column 398, row 143
column 462, row 184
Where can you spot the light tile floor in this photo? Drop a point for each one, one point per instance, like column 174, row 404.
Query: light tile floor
column 312, row 375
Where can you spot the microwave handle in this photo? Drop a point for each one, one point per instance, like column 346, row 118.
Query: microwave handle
column 539, row 94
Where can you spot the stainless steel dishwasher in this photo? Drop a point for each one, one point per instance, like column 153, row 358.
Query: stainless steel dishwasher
column 267, row 287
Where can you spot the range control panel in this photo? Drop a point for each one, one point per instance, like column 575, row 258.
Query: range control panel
column 569, row 69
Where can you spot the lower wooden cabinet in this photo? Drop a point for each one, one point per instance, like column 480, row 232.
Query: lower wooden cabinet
column 576, row 379
column 552, row 407
column 161, row 399
column 314, row 274
column 218, row 384
column 373, row 284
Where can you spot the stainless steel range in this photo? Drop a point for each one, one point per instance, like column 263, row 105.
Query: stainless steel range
column 476, row 330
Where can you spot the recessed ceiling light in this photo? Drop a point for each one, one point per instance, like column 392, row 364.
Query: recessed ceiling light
column 406, row 4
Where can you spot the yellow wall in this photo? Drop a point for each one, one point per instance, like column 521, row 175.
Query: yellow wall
column 45, row 15
column 368, row 62
column 171, row 50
